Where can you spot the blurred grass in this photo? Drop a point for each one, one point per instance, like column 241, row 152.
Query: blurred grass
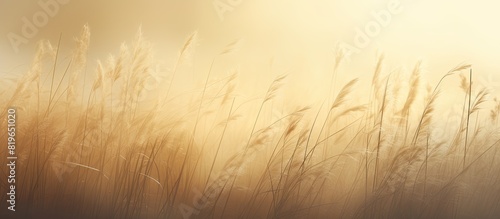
column 113, row 148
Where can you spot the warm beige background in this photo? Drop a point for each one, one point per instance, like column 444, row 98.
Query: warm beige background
column 300, row 33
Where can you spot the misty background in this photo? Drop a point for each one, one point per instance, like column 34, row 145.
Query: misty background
column 298, row 36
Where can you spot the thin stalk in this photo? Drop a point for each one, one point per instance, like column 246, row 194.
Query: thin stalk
column 468, row 117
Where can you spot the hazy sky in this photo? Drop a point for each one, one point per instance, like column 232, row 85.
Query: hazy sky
column 442, row 33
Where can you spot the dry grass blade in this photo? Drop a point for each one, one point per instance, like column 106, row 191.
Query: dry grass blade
column 118, row 66
column 275, row 86
column 231, row 47
column 84, row 166
column 355, row 109
column 481, row 98
column 98, row 82
column 79, row 59
column 153, row 179
column 188, row 46
column 464, row 84
column 495, row 111
column 378, row 71
column 459, row 68
column 414, row 88
column 342, row 96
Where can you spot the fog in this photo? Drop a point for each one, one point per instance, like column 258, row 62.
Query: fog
column 299, row 35
column 302, row 39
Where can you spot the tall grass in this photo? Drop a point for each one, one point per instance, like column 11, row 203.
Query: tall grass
column 114, row 149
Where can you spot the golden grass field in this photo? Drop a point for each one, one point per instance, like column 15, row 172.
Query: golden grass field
column 103, row 145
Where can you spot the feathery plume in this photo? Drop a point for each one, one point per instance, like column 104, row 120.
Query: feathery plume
column 341, row 97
